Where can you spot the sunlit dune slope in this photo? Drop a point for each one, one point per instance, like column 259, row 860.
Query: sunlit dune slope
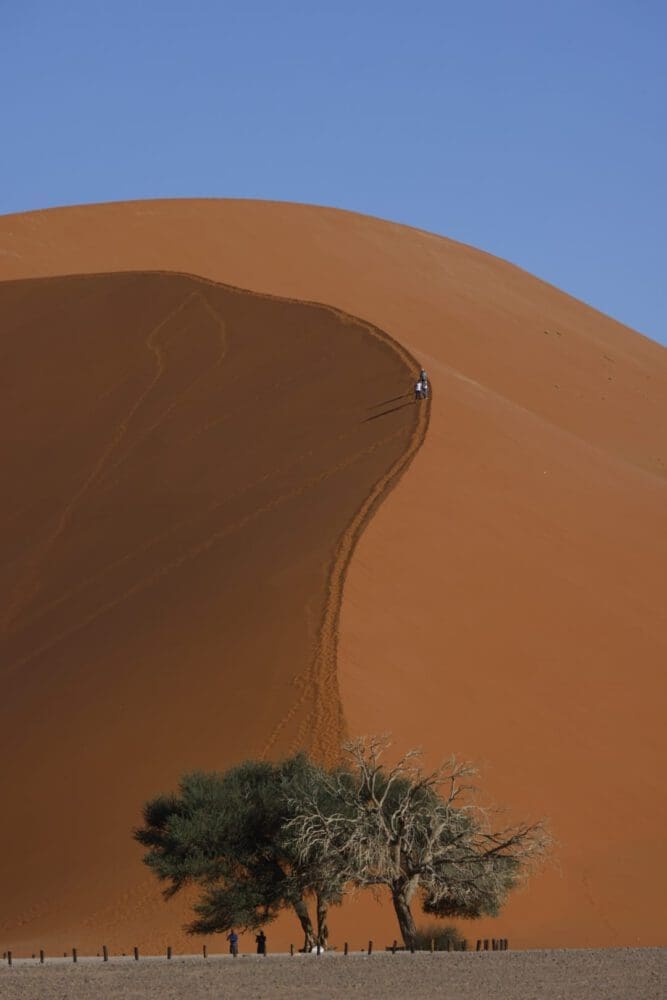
column 182, row 466
column 507, row 601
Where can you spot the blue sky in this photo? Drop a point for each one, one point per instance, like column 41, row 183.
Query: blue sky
column 534, row 130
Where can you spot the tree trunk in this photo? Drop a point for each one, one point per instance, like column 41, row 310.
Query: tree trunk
column 400, row 896
column 302, row 913
column 322, row 928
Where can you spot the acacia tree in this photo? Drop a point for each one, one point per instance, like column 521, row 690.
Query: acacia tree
column 412, row 832
column 226, row 833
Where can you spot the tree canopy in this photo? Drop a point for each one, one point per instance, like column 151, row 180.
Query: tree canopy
column 416, row 833
column 263, row 837
column 226, row 834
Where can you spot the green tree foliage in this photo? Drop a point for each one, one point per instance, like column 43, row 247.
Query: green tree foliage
column 226, row 834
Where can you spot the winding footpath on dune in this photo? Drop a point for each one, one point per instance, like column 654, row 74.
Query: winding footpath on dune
column 211, row 550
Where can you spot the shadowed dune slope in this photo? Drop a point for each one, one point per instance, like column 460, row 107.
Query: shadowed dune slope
column 181, row 463
column 507, row 600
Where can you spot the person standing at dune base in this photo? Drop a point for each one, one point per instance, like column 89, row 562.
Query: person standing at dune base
column 233, row 939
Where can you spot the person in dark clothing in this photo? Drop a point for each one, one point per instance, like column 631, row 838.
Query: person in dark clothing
column 261, row 943
column 233, row 939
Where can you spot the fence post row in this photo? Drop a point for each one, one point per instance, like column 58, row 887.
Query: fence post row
column 497, row 944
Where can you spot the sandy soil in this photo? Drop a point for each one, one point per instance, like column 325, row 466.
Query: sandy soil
column 538, row 975
column 507, row 600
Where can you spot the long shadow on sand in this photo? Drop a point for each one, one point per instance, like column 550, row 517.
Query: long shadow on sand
column 385, row 413
column 386, row 402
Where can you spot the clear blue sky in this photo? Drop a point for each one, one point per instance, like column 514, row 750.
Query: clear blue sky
column 535, row 130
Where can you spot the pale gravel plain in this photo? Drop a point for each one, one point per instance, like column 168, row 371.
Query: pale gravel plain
column 614, row 974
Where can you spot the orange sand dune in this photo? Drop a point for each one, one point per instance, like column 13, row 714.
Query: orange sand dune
column 187, row 466
column 506, row 601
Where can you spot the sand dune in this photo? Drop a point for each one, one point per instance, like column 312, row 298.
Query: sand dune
column 185, row 465
column 506, row 600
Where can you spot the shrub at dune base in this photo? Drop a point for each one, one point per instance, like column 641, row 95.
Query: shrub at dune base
column 441, row 938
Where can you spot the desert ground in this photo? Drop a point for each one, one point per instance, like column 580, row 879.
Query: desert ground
column 227, row 531
column 538, row 975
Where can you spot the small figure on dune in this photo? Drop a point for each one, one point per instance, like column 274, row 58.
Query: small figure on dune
column 423, row 378
column 233, row 939
column 261, row 943
column 419, row 390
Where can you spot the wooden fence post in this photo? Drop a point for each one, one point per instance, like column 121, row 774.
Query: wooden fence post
column 105, row 953
column 393, row 947
column 432, row 945
column 9, row 957
column 136, row 954
column 345, row 948
column 74, row 955
column 169, row 951
column 41, row 956
column 204, row 951
column 291, row 949
column 370, row 947
column 486, row 944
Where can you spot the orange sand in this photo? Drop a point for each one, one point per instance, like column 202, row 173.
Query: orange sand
column 506, row 601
